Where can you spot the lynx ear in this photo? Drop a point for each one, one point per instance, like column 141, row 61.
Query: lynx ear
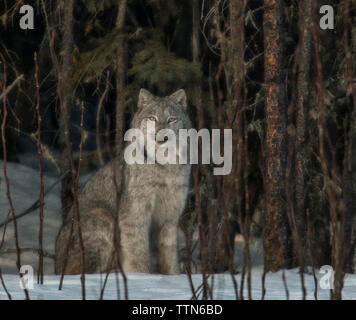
column 143, row 97
column 180, row 97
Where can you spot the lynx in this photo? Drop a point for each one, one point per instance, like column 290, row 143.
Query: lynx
column 152, row 199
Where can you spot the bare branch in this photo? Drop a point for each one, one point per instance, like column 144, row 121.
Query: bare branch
column 11, row 86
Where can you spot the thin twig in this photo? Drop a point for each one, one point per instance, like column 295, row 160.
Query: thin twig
column 285, row 284
column 311, row 255
column 4, row 232
column 116, row 238
column 4, row 286
column 8, row 192
column 40, row 165
column 11, row 86
column 100, row 105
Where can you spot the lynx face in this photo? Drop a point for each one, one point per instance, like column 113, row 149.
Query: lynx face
column 167, row 115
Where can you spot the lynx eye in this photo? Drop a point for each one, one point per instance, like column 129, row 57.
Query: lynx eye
column 152, row 118
column 172, row 120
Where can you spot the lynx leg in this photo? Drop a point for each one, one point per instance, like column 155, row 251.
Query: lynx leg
column 97, row 234
column 167, row 249
column 135, row 248
column 134, row 236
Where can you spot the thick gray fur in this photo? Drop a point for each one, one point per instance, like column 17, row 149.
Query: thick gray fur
column 153, row 198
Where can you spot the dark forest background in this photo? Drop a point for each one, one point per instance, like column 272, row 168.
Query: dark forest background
column 263, row 68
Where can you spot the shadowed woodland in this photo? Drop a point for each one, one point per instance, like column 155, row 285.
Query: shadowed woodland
column 263, row 68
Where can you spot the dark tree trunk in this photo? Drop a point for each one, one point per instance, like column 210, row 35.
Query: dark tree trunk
column 350, row 152
column 302, row 107
column 64, row 122
column 319, row 247
column 120, row 79
column 275, row 149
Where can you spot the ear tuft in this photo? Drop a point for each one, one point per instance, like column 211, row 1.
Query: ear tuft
column 143, row 97
column 180, row 97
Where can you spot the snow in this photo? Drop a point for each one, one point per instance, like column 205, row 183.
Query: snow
column 161, row 287
column 24, row 191
column 24, row 184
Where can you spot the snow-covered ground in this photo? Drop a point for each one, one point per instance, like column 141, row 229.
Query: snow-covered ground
column 24, row 184
column 24, row 191
column 160, row 287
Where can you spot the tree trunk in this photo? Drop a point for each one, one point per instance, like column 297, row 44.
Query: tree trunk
column 302, row 107
column 67, row 54
column 120, row 79
column 319, row 246
column 275, row 149
column 350, row 152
